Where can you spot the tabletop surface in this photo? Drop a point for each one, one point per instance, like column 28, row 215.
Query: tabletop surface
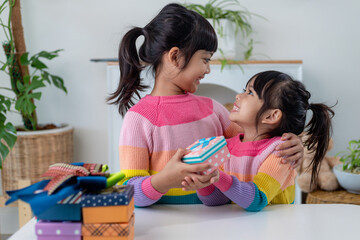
column 302, row 221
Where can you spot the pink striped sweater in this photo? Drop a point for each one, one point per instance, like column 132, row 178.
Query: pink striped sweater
column 155, row 128
column 253, row 177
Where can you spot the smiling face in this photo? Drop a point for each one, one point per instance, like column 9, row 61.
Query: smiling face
column 189, row 78
column 246, row 107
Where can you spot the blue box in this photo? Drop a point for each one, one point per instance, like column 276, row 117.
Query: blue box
column 68, row 209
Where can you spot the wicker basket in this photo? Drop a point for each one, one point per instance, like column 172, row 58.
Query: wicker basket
column 33, row 153
column 340, row 196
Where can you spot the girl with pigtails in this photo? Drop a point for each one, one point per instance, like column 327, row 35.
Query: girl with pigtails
column 178, row 45
column 254, row 177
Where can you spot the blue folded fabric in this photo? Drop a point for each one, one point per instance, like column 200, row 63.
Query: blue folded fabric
column 40, row 200
column 16, row 194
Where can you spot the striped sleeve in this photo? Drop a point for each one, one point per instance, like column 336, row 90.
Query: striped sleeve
column 274, row 177
column 274, row 183
column 134, row 144
column 212, row 196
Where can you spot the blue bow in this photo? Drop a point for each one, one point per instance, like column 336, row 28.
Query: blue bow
column 203, row 141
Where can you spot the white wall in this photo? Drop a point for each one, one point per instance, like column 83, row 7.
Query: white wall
column 323, row 33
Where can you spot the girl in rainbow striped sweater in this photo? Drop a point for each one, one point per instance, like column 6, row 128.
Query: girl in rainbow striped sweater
column 254, row 177
column 178, row 44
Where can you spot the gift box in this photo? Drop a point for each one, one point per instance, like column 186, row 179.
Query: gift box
column 109, row 231
column 115, row 204
column 58, row 230
column 68, row 209
column 208, row 150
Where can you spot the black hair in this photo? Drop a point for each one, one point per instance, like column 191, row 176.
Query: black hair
column 174, row 26
column 279, row 91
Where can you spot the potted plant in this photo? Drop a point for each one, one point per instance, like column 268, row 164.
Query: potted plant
column 348, row 173
column 26, row 151
column 230, row 21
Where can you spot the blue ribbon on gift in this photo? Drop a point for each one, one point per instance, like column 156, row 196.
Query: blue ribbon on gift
column 202, row 141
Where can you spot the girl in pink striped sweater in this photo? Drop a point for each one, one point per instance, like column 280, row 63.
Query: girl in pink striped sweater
column 254, row 177
column 178, row 44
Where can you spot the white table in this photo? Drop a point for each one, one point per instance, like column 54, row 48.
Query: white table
column 303, row 221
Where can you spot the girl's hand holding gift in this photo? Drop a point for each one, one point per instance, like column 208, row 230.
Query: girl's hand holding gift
column 198, row 182
column 175, row 172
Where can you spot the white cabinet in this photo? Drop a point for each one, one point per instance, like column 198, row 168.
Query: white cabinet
column 222, row 85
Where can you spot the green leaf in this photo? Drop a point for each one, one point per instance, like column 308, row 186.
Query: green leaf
column 8, row 134
column 24, row 59
column 58, row 82
column 4, row 151
column 35, row 84
column 7, row 104
column 45, row 76
column 248, row 52
column 3, row 108
column 36, row 63
column 351, row 157
column 49, row 55
column 3, row 68
column 24, row 103
column 20, row 86
column 223, row 63
column 26, row 79
column 2, row 119
column 25, row 106
column 36, row 95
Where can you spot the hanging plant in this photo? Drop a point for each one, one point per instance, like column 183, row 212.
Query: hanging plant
column 231, row 10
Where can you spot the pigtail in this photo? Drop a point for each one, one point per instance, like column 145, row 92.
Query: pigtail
column 319, row 132
column 130, row 69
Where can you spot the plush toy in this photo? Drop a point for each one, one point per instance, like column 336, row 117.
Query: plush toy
column 326, row 179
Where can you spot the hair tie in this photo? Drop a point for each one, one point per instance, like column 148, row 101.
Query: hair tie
column 311, row 106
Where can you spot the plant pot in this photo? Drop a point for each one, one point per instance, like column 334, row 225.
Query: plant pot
column 349, row 181
column 34, row 152
column 225, row 32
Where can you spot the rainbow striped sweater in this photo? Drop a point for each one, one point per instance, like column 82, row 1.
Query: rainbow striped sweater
column 155, row 128
column 253, row 177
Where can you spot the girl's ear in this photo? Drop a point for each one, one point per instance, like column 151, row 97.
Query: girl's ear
column 272, row 117
column 174, row 56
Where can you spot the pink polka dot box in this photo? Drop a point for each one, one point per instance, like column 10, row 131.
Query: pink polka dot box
column 211, row 150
